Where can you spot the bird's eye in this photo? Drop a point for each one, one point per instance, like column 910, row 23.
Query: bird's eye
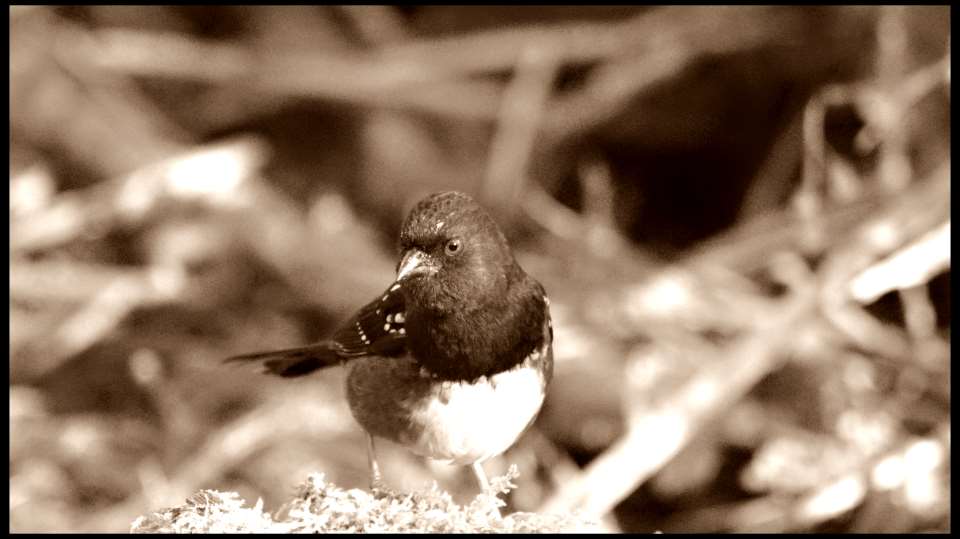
column 454, row 246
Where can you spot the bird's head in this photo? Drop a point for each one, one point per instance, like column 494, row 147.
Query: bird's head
column 470, row 310
column 452, row 254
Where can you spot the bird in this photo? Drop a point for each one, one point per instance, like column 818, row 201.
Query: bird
column 454, row 359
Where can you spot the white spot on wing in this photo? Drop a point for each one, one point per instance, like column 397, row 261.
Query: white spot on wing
column 363, row 336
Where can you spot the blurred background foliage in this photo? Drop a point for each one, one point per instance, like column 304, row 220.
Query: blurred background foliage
column 741, row 215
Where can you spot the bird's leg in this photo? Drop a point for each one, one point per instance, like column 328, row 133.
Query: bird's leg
column 376, row 480
column 484, row 484
column 481, row 478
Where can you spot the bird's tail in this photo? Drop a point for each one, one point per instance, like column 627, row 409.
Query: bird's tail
column 293, row 362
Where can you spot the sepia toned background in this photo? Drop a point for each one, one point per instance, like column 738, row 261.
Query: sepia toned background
column 741, row 216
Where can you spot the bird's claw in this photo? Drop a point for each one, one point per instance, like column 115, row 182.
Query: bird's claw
column 378, row 487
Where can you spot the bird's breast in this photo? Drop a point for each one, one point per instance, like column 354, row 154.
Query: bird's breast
column 460, row 422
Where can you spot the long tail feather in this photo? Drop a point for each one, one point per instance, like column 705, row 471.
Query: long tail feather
column 293, row 362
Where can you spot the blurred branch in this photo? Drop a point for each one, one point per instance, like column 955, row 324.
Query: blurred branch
column 356, row 78
column 778, row 513
column 616, row 83
column 63, row 281
column 558, row 219
column 773, row 177
column 599, row 191
column 379, row 25
column 583, row 43
column 865, row 331
column 894, row 167
column 275, row 228
column 886, row 111
column 609, row 247
column 923, row 81
column 208, row 173
column 97, row 119
column 519, row 120
column 656, row 436
column 911, row 266
column 915, row 210
column 115, row 298
column 808, row 200
column 423, row 76
column 599, row 213
column 919, row 314
column 496, row 50
column 132, row 115
column 813, row 221
column 747, row 246
column 915, row 457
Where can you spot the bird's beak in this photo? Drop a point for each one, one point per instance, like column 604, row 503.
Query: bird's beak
column 414, row 262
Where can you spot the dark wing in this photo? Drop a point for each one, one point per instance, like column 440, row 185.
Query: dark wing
column 377, row 329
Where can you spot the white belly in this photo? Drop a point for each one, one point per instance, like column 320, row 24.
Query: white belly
column 466, row 423
column 457, row 422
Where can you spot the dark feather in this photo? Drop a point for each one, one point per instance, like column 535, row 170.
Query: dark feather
column 294, row 361
column 367, row 333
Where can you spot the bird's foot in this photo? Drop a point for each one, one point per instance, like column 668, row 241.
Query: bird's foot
column 487, row 490
column 378, row 487
column 493, row 504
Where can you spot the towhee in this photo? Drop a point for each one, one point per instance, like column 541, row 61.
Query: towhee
column 453, row 360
